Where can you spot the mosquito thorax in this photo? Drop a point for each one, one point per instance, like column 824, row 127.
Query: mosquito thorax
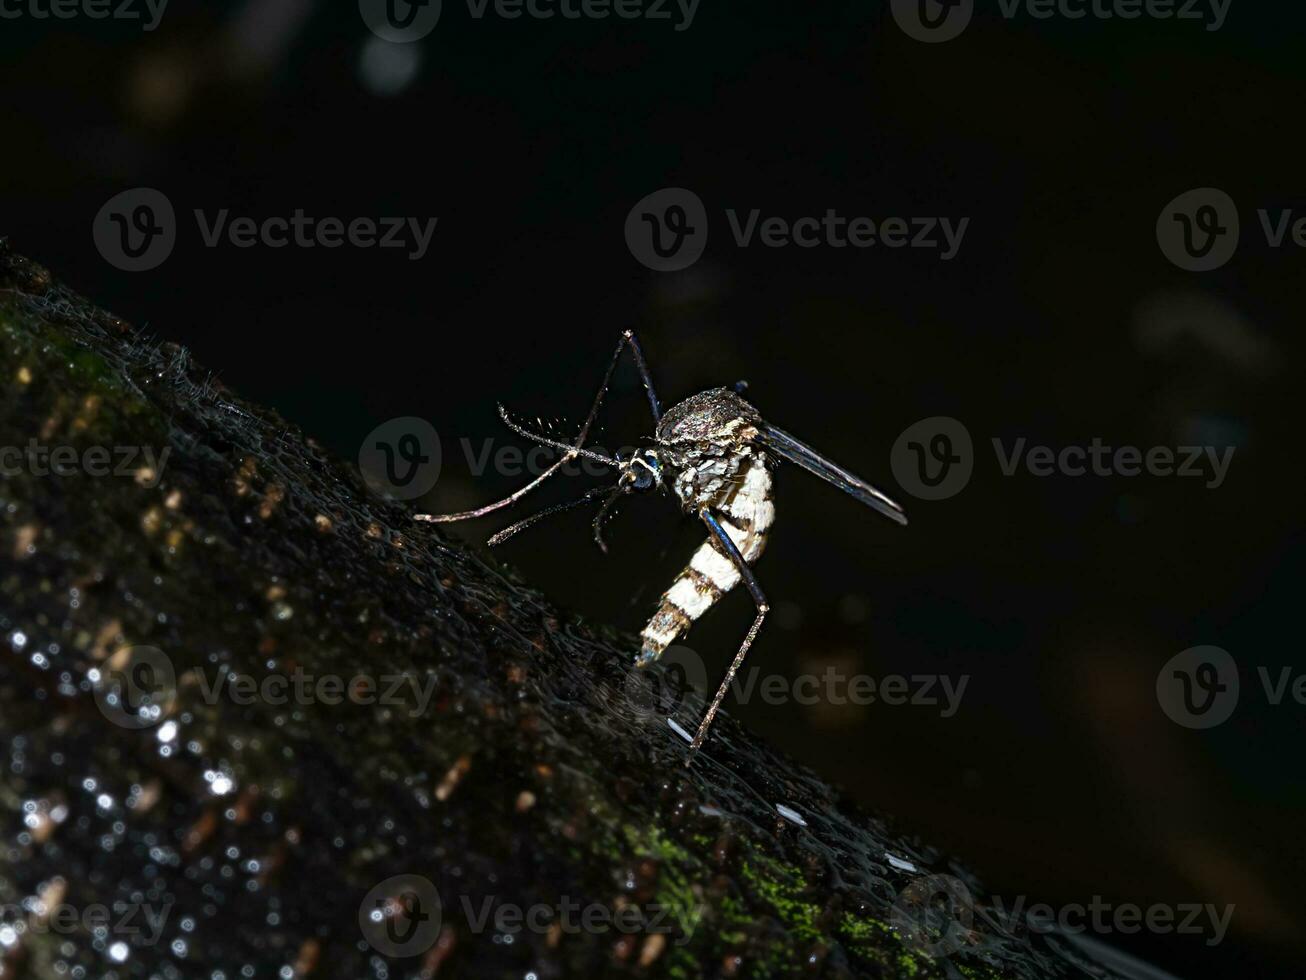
column 717, row 416
column 706, row 441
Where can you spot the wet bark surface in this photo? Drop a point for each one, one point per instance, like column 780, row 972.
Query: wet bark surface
column 249, row 709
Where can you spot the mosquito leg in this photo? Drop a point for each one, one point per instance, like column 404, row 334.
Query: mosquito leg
column 566, row 457
column 759, row 600
column 645, row 376
column 538, row 516
column 508, row 501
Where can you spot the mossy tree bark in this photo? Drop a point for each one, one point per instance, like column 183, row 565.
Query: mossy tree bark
column 244, row 835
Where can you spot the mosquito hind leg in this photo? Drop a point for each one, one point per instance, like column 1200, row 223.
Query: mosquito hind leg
column 759, row 600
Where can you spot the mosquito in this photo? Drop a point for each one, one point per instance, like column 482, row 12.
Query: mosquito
column 716, row 454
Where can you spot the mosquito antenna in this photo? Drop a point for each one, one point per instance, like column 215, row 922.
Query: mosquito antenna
column 521, row 430
column 523, row 524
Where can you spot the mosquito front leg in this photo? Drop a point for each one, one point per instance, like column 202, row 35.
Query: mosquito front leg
column 759, row 600
column 571, row 451
column 638, row 353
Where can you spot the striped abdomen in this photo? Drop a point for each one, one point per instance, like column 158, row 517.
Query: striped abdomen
column 746, row 515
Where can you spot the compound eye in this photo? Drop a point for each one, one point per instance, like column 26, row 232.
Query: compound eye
column 646, row 471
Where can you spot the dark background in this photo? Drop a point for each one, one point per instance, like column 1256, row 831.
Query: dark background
column 1060, row 320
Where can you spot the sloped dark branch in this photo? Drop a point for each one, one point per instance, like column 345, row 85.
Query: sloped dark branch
column 521, row 764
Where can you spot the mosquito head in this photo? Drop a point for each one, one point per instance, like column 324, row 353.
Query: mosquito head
column 642, row 472
column 639, row 474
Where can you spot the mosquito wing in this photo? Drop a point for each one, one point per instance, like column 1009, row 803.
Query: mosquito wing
column 796, row 451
